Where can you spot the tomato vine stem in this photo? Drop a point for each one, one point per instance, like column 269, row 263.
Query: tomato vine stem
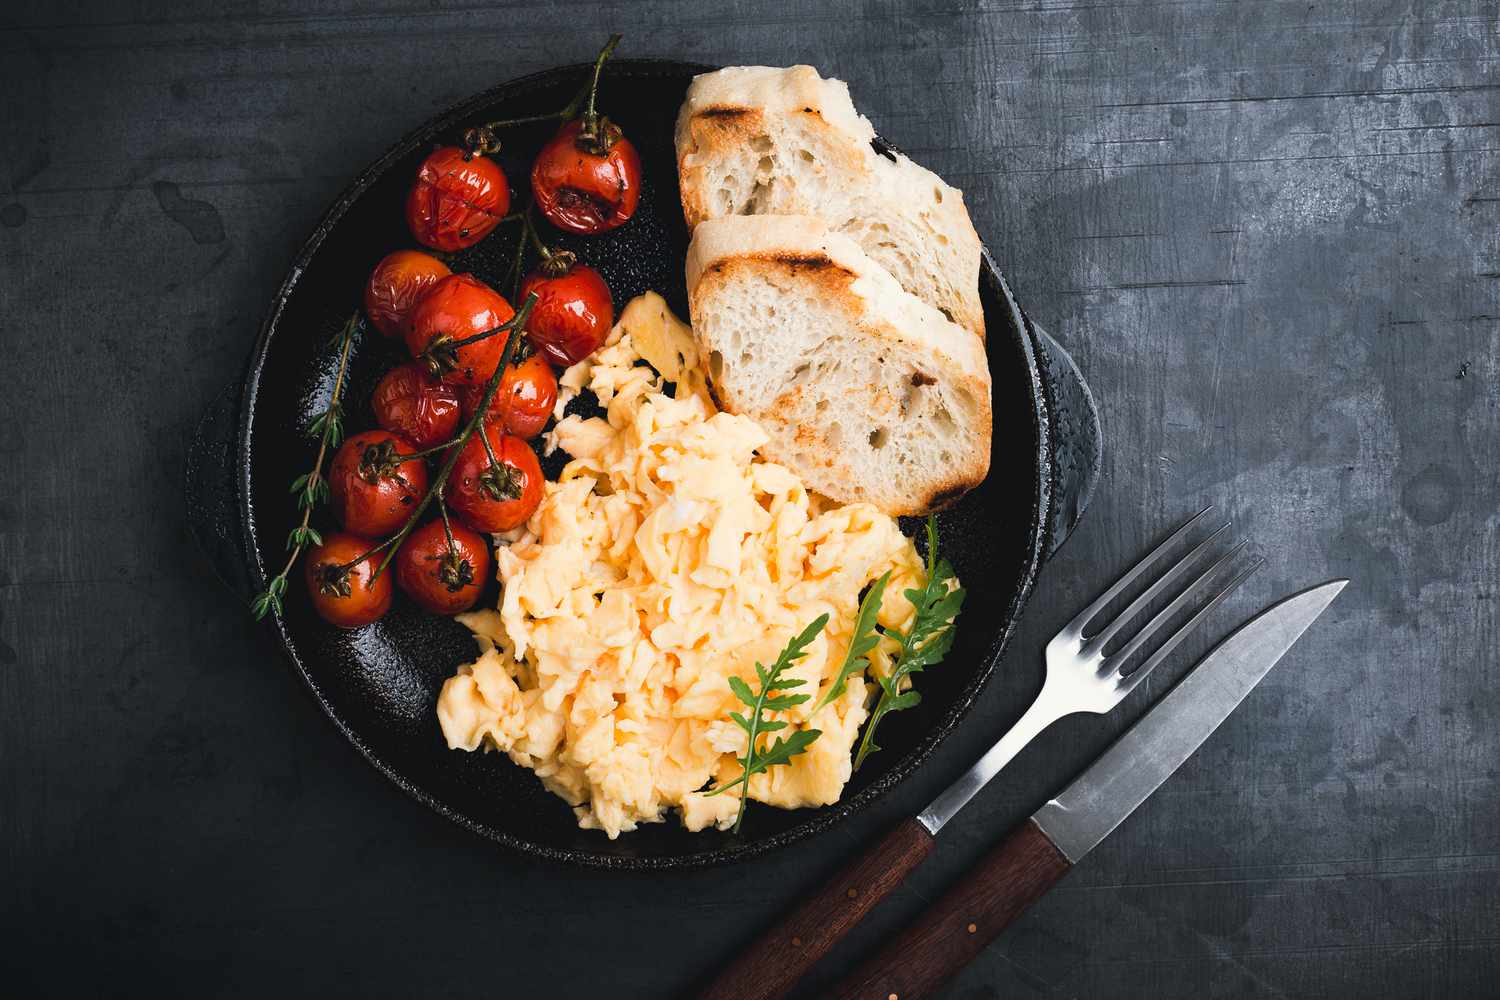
column 441, row 354
column 481, row 138
column 590, row 115
column 517, row 325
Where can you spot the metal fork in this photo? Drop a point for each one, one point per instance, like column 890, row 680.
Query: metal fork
column 1082, row 676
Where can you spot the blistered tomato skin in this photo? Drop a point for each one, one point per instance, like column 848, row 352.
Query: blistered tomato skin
column 523, row 401
column 491, row 500
column 457, row 199
column 461, row 306
column 585, row 192
column 413, row 405
column 372, row 490
column 439, row 580
column 397, row 284
column 346, row 599
column 572, row 315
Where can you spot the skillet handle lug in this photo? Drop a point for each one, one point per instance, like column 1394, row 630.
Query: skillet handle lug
column 1076, row 436
column 213, row 511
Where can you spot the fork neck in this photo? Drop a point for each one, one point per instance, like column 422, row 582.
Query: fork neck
column 1047, row 709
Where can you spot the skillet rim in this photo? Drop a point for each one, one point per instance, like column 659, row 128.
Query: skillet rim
column 818, row 820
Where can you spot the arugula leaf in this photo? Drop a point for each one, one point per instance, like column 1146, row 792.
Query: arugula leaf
column 927, row 641
column 783, row 749
column 866, row 637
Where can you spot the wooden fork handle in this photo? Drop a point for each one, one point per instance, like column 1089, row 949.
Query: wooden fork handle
column 771, row 966
column 953, row 931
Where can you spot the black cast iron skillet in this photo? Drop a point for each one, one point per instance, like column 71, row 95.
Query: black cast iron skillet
column 379, row 684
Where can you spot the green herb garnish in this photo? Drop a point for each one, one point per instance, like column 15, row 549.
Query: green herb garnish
column 311, row 488
column 866, row 637
column 925, row 643
column 765, row 700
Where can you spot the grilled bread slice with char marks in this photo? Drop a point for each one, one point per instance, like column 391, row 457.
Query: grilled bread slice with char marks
column 867, row 392
column 757, row 140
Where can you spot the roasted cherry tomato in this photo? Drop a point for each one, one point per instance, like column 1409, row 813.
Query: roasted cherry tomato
column 457, row 199
column 348, row 597
column 372, row 489
column 573, row 311
column 523, row 400
column 397, row 284
column 587, row 185
column 460, row 306
column 442, row 580
column 495, row 498
column 413, row 405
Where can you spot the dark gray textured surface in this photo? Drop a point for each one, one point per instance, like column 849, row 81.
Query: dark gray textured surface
column 1267, row 233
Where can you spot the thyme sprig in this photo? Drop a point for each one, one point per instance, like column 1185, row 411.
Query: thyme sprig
column 311, row 488
column 928, row 640
column 757, row 758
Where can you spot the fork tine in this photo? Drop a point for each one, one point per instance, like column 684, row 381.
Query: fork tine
column 1190, row 593
column 1128, row 683
column 1167, row 579
column 1132, row 575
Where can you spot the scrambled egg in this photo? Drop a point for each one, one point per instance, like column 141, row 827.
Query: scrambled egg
column 666, row 557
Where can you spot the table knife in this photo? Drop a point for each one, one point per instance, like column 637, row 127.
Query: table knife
column 1024, row 865
column 1017, row 872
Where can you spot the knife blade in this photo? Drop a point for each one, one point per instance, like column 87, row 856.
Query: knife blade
column 955, row 929
column 1097, row 801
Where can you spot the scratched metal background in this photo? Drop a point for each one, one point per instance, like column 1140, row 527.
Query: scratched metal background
column 1267, row 231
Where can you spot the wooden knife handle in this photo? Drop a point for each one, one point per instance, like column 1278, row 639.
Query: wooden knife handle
column 953, row 931
column 772, row 965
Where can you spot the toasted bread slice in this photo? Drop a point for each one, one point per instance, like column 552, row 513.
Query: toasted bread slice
column 755, row 140
column 867, row 392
